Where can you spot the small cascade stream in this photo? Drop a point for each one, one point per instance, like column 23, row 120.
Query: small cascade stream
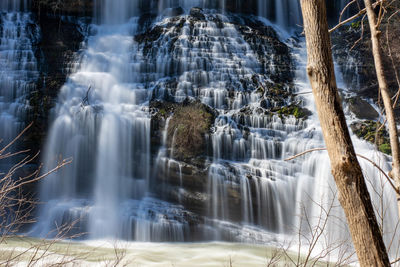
column 18, row 68
column 103, row 121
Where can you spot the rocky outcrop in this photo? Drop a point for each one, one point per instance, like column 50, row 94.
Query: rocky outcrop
column 183, row 171
column 361, row 108
column 264, row 41
column 188, row 129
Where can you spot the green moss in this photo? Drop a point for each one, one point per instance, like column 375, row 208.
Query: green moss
column 385, row 148
column 163, row 112
column 294, row 110
column 297, row 112
column 355, row 25
column 367, row 130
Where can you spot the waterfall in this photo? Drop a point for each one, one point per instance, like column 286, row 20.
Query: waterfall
column 103, row 117
column 285, row 13
column 187, row 4
column 108, row 137
column 18, row 68
column 116, row 12
column 14, row 5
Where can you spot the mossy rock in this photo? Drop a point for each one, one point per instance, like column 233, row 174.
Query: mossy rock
column 187, row 130
column 367, row 130
column 356, row 25
column 298, row 112
column 362, row 109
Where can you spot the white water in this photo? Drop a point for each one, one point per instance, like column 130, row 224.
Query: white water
column 116, row 118
column 108, row 185
column 18, row 68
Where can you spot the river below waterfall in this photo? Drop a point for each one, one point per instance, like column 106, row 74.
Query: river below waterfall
column 106, row 253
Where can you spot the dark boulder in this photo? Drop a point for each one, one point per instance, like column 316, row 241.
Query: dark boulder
column 197, row 13
column 362, row 109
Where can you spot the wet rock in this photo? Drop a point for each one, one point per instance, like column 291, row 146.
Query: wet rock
column 247, row 6
column 149, row 37
column 362, row 109
column 64, row 7
column 188, row 185
column 183, row 183
column 145, row 21
column 269, row 50
column 367, row 130
column 197, row 13
column 60, row 40
column 265, row 104
column 191, row 176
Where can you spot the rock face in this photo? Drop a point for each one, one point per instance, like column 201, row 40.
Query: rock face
column 64, row 7
column 60, row 40
column 356, row 62
column 183, row 170
column 362, row 109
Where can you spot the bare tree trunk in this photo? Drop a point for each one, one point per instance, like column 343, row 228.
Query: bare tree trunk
column 387, row 101
column 353, row 193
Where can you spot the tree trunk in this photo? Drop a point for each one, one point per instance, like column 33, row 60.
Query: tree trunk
column 387, row 101
column 353, row 193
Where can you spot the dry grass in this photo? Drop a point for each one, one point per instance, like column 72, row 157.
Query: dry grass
column 187, row 130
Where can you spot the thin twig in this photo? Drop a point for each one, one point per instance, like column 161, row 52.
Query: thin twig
column 15, row 139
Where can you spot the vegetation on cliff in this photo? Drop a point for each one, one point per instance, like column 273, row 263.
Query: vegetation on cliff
column 188, row 129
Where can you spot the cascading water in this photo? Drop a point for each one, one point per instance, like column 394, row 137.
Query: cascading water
column 285, row 13
column 18, row 67
column 103, row 121
column 14, row 5
column 108, row 137
column 163, row 4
